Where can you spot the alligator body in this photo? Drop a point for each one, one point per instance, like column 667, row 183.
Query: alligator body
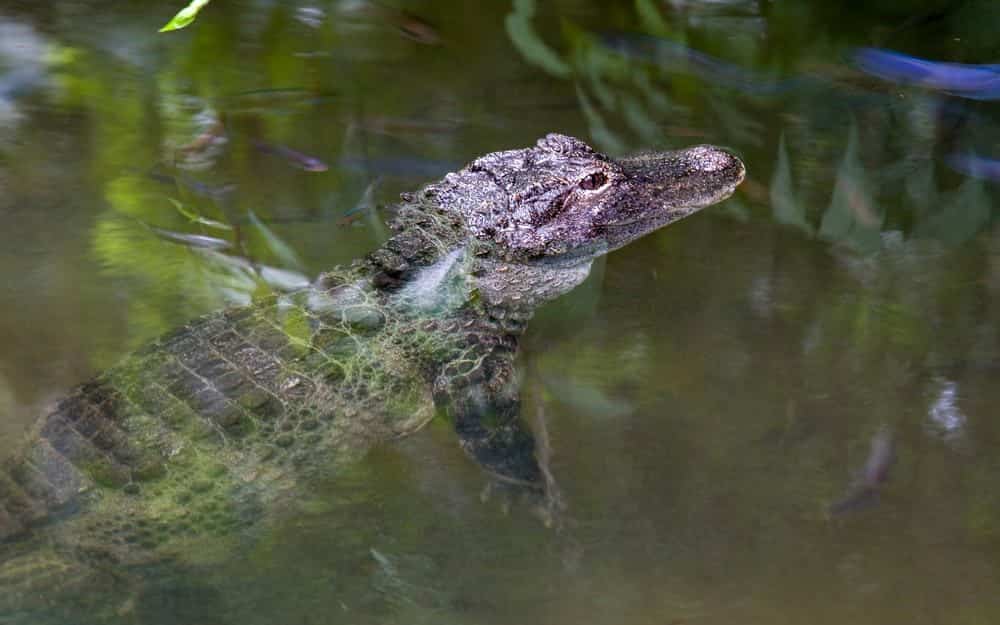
column 208, row 434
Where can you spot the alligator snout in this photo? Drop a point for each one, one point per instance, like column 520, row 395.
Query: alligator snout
column 710, row 159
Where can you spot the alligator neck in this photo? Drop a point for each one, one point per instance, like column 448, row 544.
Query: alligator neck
column 435, row 266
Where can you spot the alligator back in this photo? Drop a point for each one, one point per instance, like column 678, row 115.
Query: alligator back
column 204, row 434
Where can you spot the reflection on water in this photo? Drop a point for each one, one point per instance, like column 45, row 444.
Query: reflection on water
column 945, row 416
column 708, row 394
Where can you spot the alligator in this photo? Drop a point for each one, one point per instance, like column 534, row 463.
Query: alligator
column 209, row 433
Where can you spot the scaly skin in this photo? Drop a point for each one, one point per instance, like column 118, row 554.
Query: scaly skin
column 207, row 435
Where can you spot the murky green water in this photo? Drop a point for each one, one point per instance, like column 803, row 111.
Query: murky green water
column 708, row 393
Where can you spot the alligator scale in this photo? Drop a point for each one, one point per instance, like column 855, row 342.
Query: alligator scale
column 208, row 433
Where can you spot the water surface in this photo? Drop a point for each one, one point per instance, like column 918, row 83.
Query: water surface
column 708, row 394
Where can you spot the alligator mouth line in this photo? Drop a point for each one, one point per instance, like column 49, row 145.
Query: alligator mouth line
column 683, row 211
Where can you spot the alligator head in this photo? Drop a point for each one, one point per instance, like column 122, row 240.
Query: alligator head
column 521, row 227
column 561, row 201
column 515, row 229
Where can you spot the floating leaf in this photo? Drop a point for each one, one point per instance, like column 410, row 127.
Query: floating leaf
column 185, row 16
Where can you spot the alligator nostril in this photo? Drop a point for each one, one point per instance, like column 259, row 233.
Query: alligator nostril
column 708, row 159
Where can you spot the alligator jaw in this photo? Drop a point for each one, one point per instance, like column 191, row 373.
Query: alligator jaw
column 666, row 186
column 658, row 188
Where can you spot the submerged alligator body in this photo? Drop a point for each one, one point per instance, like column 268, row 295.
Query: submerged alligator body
column 209, row 433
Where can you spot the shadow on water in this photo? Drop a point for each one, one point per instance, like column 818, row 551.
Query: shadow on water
column 716, row 396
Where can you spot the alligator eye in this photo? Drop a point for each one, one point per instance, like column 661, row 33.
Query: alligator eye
column 593, row 181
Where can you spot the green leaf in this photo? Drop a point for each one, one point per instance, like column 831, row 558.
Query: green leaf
column 787, row 209
column 196, row 218
column 281, row 250
column 185, row 16
column 853, row 216
column 651, row 18
column 599, row 131
column 526, row 40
